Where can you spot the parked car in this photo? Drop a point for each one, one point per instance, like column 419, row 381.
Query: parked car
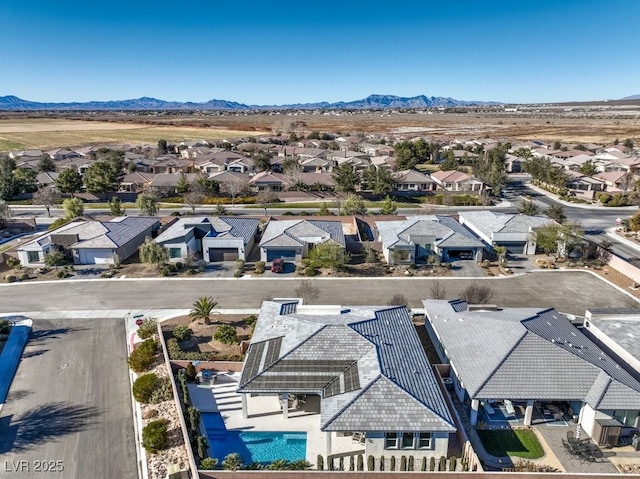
column 277, row 265
column 466, row 255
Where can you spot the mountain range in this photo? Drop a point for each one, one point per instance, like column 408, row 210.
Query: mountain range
column 14, row 103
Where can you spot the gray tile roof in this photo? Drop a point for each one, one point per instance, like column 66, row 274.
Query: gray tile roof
column 366, row 363
column 526, row 353
column 490, row 222
column 214, row 227
column 444, row 230
column 293, row 232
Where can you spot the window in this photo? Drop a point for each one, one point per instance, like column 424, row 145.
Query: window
column 175, row 252
column 391, row 440
column 626, row 417
column 424, row 440
column 407, row 440
column 33, row 256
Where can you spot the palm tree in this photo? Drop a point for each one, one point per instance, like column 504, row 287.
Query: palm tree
column 232, row 462
column 202, row 308
column 279, row 465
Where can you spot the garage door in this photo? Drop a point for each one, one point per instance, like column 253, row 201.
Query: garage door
column 281, row 253
column 515, row 247
column 223, row 254
column 461, row 254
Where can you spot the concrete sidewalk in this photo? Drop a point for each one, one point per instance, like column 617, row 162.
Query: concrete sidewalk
column 598, row 206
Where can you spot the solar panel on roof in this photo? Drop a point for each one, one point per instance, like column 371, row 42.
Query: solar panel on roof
column 273, row 351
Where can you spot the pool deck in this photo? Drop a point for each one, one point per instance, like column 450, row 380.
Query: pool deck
column 265, row 415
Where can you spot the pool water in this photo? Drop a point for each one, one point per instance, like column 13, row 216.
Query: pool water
column 255, row 446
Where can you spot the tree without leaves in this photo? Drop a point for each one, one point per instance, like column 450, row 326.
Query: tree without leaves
column 202, row 308
column 46, row 197
column 69, row 181
column 438, row 291
column 153, row 253
column 477, row 294
column 147, row 203
column 73, row 208
column 308, row 291
column 398, row 300
column 234, row 187
column 265, row 198
column 194, row 197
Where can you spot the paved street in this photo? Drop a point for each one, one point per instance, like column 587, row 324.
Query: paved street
column 570, row 292
column 70, row 402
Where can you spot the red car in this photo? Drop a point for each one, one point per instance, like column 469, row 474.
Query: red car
column 277, row 265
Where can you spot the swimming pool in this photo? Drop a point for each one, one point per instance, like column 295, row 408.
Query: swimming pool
column 255, row 446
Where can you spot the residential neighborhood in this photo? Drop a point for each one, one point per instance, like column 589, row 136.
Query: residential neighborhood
column 445, row 380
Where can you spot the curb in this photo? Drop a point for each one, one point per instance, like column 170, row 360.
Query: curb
column 12, row 352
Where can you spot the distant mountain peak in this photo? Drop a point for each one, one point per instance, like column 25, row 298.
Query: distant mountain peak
column 374, row 101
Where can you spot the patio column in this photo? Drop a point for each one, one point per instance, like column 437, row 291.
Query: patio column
column 475, row 404
column 528, row 413
column 285, row 405
column 245, row 411
column 327, row 436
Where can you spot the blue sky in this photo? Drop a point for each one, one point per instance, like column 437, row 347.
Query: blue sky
column 285, row 52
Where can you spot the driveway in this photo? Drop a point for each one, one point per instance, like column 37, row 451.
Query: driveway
column 70, row 403
column 467, row 269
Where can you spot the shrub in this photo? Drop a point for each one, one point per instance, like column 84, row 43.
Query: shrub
column 371, row 463
column 144, row 386
column 232, row 462
column 424, row 464
column 148, row 328
column 162, row 392
column 203, row 445
column 182, row 332
column 411, row 464
column 442, row 466
column 237, row 273
column 250, row 321
column 452, row 463
column 154, row 436
column 309, row 271
column 381, row 463
column 10, row 278
column 24, row 276
column 403, row 463
column 143, row 356
column 360, row 462
column 179, row 267
column 260, row 267
column 208, row 463
column 432, row 464
column 164, row 271
column 392, row 466
column 320, row 462
column 5, row 326
column 226, row 334
column 61, row 274
column 341, row 464
column 352, row 463
column 191, row 372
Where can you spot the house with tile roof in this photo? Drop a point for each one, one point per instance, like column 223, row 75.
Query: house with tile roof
column 416, row 238
column 362, row 368
column 534, row 358
column 413, row 181
column 91, row 242
column 292, row 239
column 513, row 231
column 457, row 181
column 210, row 238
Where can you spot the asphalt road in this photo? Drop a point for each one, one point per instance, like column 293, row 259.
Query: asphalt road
column 570, row 292
column 68, row 413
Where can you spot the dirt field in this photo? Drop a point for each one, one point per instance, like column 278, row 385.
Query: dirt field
column 106, row 128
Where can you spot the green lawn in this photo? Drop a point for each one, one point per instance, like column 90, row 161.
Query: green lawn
column 512, row 442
